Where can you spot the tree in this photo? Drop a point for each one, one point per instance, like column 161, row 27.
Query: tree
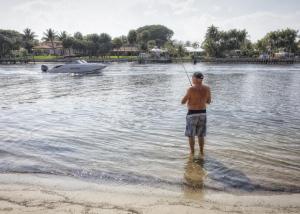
column 132, row 37
column 28, row 39
column 124, row 39
column 62, row 35
column 220, row 43
column 117, row 44
column 28, row 34
column 144, row 36
column 93, row 43
column 50, row 36
column 67, row 43
column 187, row 44
column 78, row 36
column 195, row 45
column 151, row 44
column 170, row 46
column 159, row 33
column 180, row 50
column 211, row 44
column 80, row 46
column 278, row 40
column 105, row 44
column 212, row 33
column 9, row 40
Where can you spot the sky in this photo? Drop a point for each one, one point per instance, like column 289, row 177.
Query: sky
column 188, row 19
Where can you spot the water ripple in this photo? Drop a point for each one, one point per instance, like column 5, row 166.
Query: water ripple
column 126, row 125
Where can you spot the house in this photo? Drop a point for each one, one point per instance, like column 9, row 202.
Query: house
column 233, row 53
column 126, row 50
column 45, row 48
column 264, row 56
column 156, row 55
column 194, row 51
column 283, row 55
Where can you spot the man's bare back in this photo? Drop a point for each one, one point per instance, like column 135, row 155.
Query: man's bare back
column 197, row 97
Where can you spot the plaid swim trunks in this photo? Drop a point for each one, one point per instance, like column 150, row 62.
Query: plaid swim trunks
column 195, row 124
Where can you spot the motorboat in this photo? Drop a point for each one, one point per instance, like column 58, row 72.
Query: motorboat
column 75, row 67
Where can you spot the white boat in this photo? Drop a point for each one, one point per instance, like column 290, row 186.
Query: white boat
column 75, row 67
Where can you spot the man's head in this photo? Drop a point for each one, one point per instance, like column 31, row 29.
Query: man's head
column 197, row 78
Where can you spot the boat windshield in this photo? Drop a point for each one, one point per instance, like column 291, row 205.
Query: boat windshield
column 78, row 61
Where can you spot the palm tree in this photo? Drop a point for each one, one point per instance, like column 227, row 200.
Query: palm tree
column 50, row 36
column 212, row 33
column 28, row 39
column 62, row 36
column 28, row 34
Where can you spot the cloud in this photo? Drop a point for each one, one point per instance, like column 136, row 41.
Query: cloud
column 188, row 19
column 216, row 8
column 180, row 7
column 257, row 24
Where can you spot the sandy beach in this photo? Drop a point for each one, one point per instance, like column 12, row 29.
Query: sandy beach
column 21, row 193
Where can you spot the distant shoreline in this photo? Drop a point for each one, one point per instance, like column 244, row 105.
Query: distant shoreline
column 149, row 61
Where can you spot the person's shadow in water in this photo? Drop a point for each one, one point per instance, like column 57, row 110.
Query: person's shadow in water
column 194, row 175
column 230, row 178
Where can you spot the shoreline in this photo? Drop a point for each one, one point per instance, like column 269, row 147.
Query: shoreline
column 154, row 61
column 37, row 193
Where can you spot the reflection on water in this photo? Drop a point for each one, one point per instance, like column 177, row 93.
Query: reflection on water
column 194, row 172
column 127, row 126
column 194, row 176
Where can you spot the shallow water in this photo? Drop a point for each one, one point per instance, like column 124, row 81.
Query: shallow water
column 126, row 126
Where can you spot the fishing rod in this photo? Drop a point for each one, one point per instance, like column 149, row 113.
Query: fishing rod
column 185, row 71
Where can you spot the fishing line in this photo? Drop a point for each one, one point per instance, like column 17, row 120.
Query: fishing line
column 185, row 71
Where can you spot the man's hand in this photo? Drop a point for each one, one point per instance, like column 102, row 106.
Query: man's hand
column 184, row 100
column 186, row 97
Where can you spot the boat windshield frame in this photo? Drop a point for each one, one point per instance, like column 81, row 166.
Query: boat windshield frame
column 78, row 61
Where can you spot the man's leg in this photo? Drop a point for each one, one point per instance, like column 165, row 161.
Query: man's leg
column 201, row 144
column 192, row 144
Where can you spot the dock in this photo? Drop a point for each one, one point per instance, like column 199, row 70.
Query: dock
column 19, row 60
column 248, row 61
column 149, row 61
column 273, row 61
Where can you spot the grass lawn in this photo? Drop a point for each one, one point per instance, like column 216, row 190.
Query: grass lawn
column 45, row 57
column 123, row 57
column 110, row 57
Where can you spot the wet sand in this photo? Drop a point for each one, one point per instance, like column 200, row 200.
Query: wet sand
column 35, row 193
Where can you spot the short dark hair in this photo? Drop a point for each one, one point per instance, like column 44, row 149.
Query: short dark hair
column 198, row 75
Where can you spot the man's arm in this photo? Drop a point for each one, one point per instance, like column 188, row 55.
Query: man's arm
column 209, row 96
column 186, row 97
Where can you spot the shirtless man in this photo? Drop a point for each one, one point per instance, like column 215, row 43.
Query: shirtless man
column 197, row 97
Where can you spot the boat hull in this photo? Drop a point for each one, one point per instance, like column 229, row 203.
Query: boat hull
column 78, row 68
